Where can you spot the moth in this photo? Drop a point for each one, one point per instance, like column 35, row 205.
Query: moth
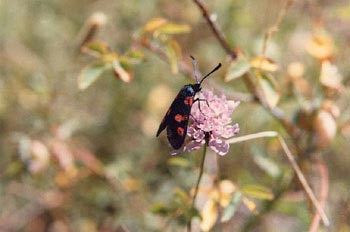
column 177, row 117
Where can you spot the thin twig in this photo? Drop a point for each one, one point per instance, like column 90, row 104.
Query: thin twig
column 253, row 136
column 324, row 187
column 294, row 164
column 218, row 34
column 275, row 26
column 304, row 182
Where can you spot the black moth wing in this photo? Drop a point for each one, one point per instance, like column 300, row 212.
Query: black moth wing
column 164, row 122
column 177, row 129
column 176, row 118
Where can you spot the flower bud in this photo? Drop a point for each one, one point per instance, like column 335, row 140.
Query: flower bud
column 325, row 128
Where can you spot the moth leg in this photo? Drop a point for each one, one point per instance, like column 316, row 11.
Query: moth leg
column 194, row 118
column 199, row 105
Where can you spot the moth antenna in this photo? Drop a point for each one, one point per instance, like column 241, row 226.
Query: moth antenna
column 215, row 69
column 194, row 65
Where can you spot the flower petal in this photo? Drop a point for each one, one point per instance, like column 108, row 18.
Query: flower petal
column 194, row 145
column 212, row 117
column 219, row 146
column 230, row 131
column 198, row 135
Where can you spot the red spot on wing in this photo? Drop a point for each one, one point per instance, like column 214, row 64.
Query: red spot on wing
column 180, row 131
column 188, row 101
column 180, row 118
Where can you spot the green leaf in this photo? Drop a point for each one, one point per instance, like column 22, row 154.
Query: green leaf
column 135, row 56
column 181, row 195
column 97, row 47
column 159, row 208
column 90, row 73
column 125, row 62
column 153, row 24
column 179, row 161
column 237, row 69
column 266, row 164
column 232, row 206
column 173, row 28
column 264, row 63
column 173, row 52
column 258, row 192
column 269, row 88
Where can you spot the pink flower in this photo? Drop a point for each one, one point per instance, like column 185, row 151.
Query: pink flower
column 211, row 122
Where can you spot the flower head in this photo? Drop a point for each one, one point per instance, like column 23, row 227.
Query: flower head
column 210, row 122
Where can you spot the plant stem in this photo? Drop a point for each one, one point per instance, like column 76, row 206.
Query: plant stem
column 303, row 181
column 218, row 34
column 197, row 184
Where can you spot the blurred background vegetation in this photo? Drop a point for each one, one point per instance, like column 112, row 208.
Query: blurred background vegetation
column 88, row 160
